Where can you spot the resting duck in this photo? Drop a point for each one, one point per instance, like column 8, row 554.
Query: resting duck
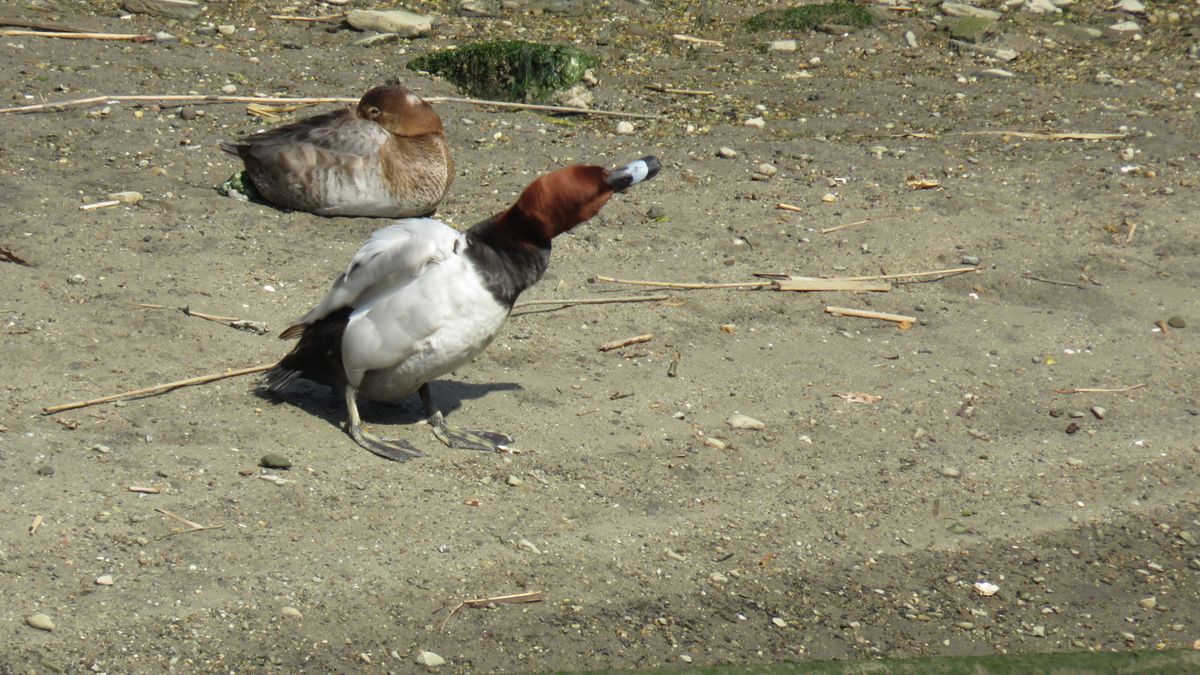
column 387, row 157
column 421, row 299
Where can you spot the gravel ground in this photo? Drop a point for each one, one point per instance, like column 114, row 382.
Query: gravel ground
column 899, row 475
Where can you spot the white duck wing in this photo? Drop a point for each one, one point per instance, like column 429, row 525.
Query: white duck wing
column 392, row 257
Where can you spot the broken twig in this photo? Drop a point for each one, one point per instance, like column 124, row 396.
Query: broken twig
column 531, row 596
column 686, row 286
column 784, row 282
column 100, row 205
column 1099, row 390
column 671, row 90
column 327, row 17
column 617, row 344
column 191, row 526
column 698, row 41
column 7, row 255
column 119, row 37
column 835, row 228
column 37, row 522
column 591, row 301
column 157, row 389
column 904, row 322
column 231, row 321
column 1027, row 275
column 144, row 490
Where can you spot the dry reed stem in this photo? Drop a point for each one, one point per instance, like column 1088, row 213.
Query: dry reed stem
column 156, row 389
column 204, row 98
column 1099, row 390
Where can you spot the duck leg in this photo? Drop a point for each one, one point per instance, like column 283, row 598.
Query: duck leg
column 395, row 450
column 460, row 439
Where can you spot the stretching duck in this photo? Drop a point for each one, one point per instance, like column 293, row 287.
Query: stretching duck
column 387, row 157
column 421, row 299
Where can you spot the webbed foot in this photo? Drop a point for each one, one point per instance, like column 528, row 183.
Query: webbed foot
column 466, row 439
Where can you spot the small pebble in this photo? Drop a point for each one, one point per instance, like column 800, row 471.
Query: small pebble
column 756, row 122
column 965, row 625
column 783, row 46
column 779, row 623
column 685, row 658
column 970, row 260
column 163, row 36
column 77, row 279
column 624, row 128
column 910, row 39
column 187, row 113
column 1072, row 428
column 514, row 481
column 45, row 470
column 1038, row 631
column 1148, row 603
column 718, row 578
column 1074, row 462
column 767, row 170
column 40, row 621
column 229, row 89
column 829, row 198
column 530, row 546
column 726, row 153
column 291, row 613
column 950, row 472
column 226, row 29
column 274, row 461
column 1177, row 322
column 670, row 553
column 430, row 660
column 104, row 580
column 1098, row 411
column 740, row 421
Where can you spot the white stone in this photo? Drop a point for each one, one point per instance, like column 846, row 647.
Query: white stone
column 783, row 46
column 405, row 24
column 726, row 153
column 1125, row 28
column 430, row 660
column 960, row 9
column 756, row 122
column 104, row 580
column 128, row 197
column 40, row 621
column 1041, row 7
column 291, row 613
column 1129, row 6
column 910, row 38
column 740, row 421
column 171, row 9
column 624, row 128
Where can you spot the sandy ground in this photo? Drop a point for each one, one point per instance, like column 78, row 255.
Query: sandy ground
column 658, row 534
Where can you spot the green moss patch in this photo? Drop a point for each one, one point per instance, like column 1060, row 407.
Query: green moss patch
column 808, row 17
column 510, row 70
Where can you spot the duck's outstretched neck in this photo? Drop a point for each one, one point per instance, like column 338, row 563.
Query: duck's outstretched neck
column 507, row 264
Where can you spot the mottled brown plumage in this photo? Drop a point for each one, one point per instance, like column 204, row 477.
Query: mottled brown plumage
column 386, row 157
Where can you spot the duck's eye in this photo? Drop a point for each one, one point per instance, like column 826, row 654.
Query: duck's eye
column 372, row 112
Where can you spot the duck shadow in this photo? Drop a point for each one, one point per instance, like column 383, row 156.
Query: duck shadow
column 326, row 403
